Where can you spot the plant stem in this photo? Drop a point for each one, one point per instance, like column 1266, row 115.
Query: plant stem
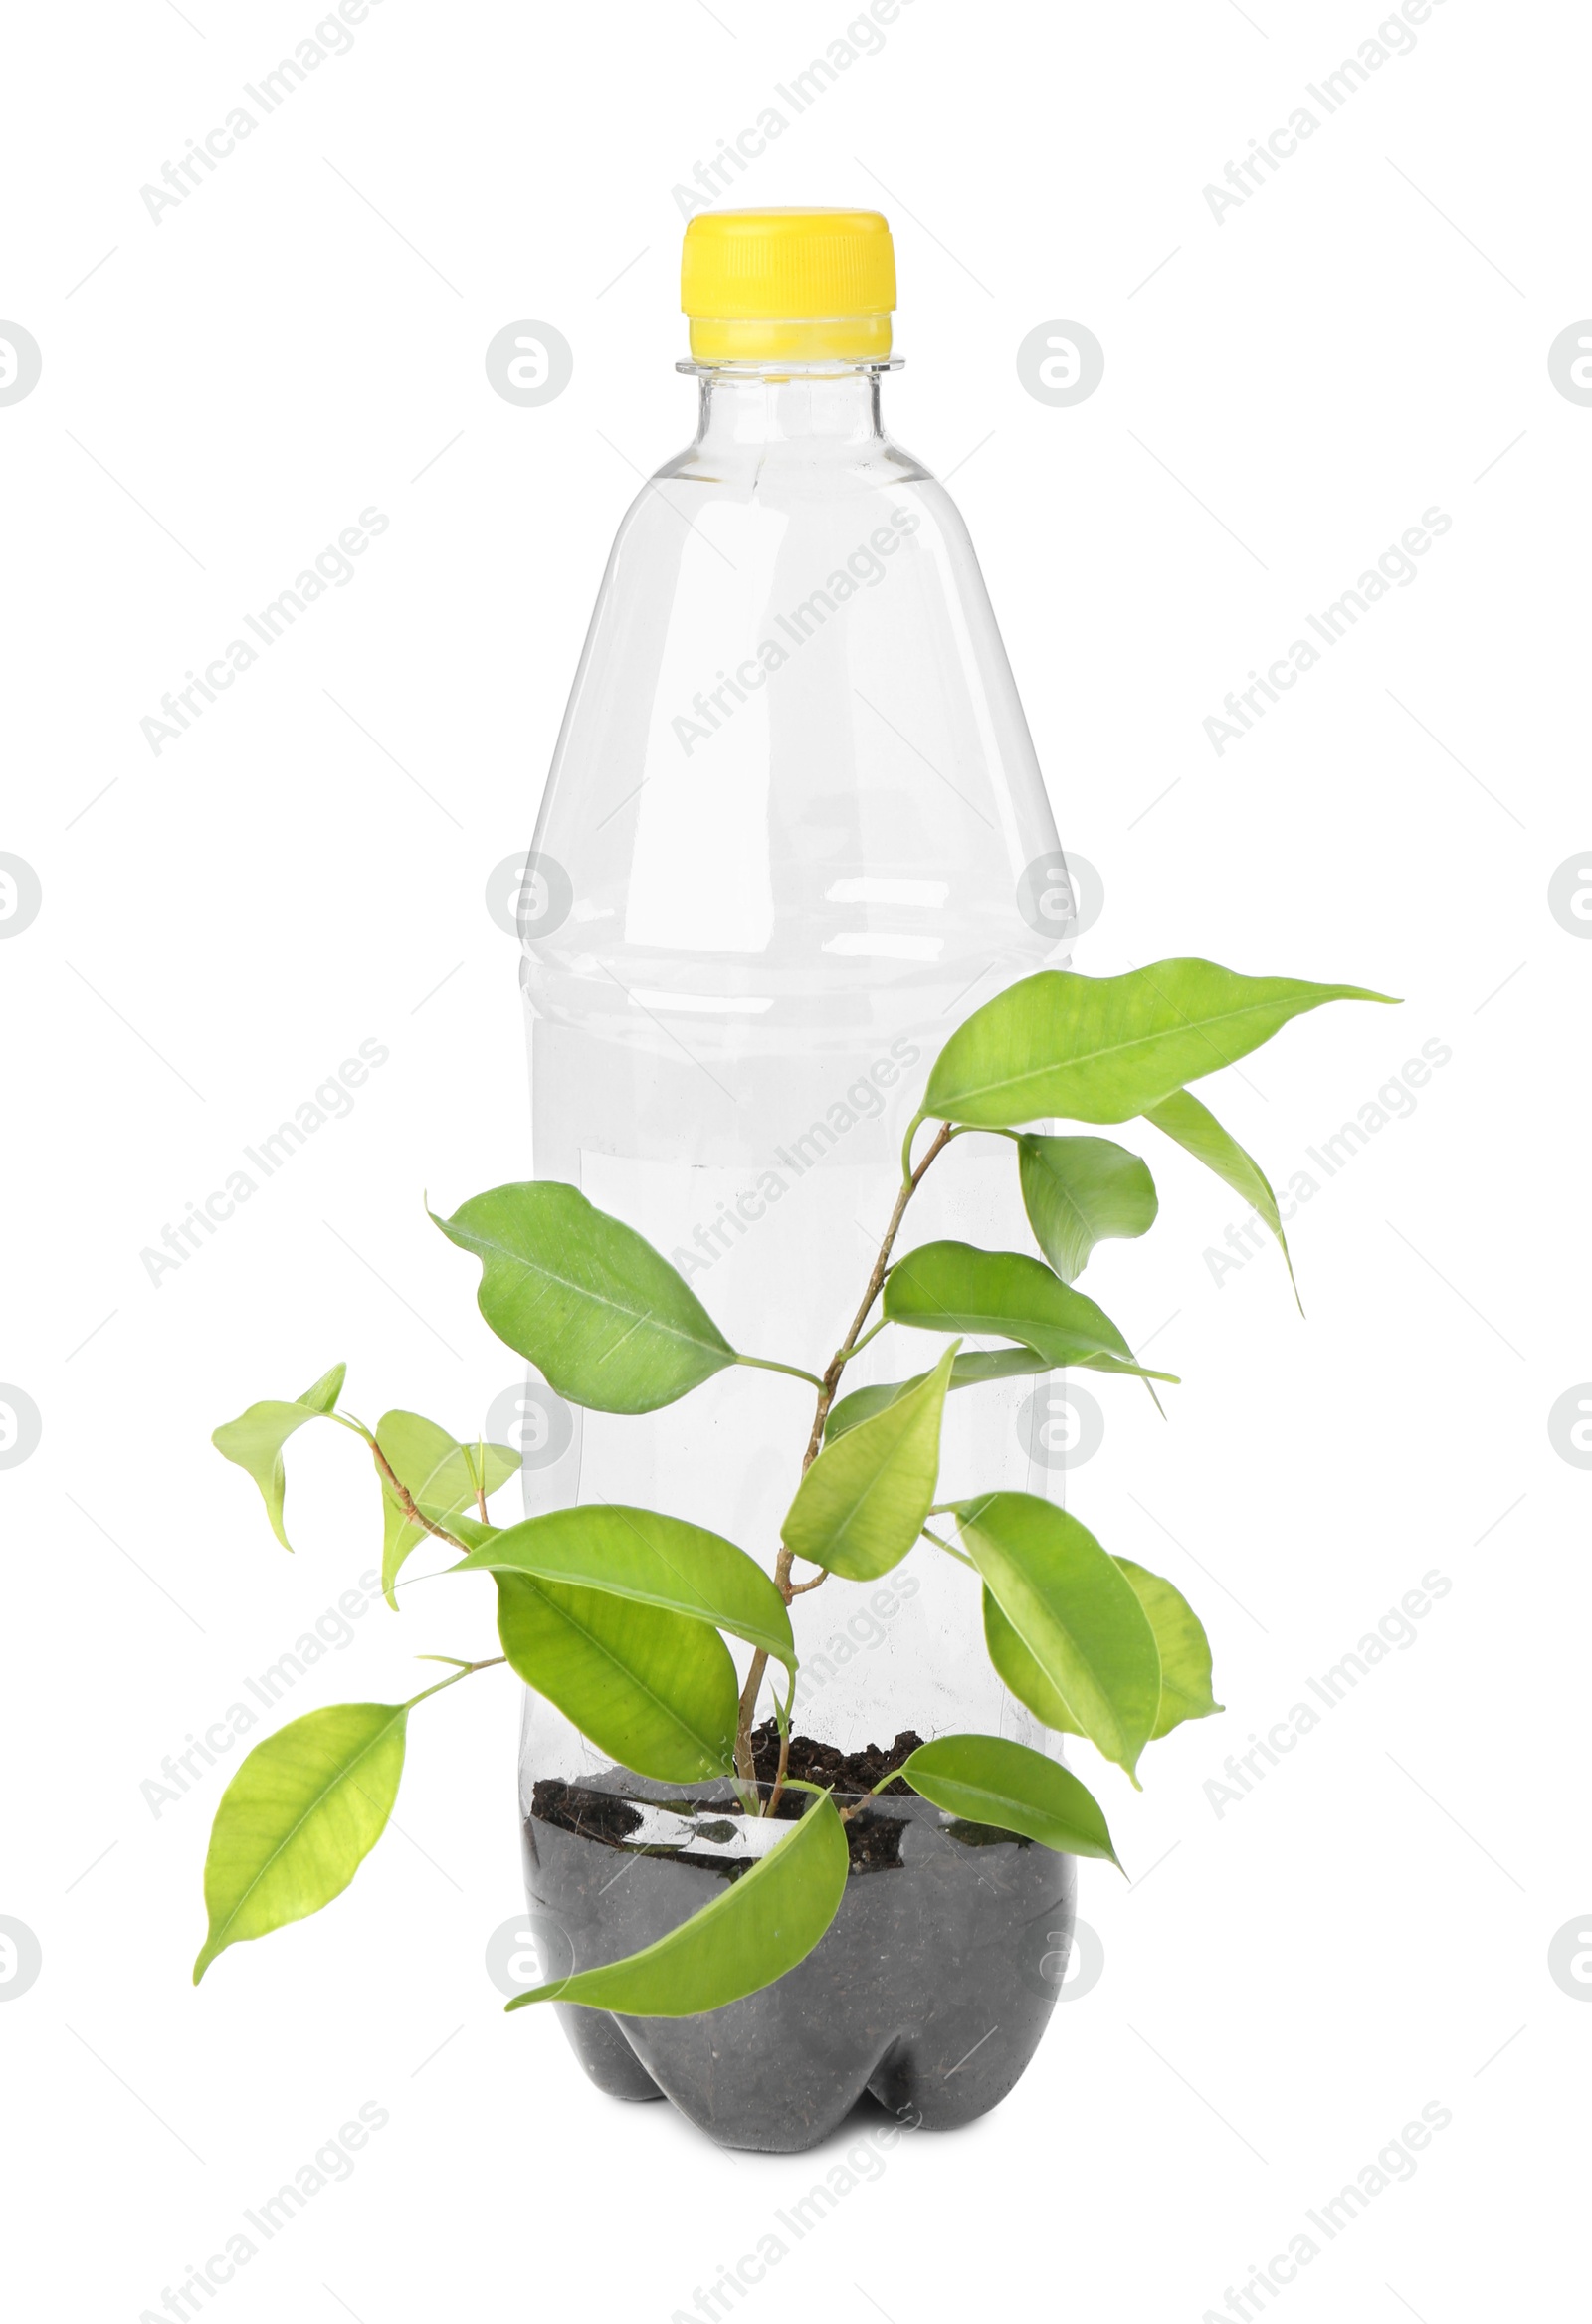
column 468, row 1671
column 858, row 1806
column 826, row 1396
column 767, row 1363
column 847, row 1346
column 858, row 1345
column 949, row 1547
column 406, row 1502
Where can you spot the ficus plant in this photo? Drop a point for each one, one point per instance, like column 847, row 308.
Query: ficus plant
column 620, row 1616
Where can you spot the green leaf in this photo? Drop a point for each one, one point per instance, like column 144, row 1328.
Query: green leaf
column 862, row 1504
column 1017, row 1669
column 657, row 1560
column 760, row 1926
column 1185, row 1649
column 969, row 1370
column 984, row 1778
column 654, row 1690
column 607, row 1322
column 1080, row 1191
column 1179, row 1637
column 299, row 1819
column 954, row 1287
column 1103, row 1049
column 256, row 1438
column 1195, row 1128
column 1075, row 1611
column 441, row 1476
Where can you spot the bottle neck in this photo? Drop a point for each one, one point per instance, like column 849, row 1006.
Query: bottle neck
column 788, row 405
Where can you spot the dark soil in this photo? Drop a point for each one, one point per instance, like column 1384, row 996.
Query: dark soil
column 591, row 1815
column 836, row 1770
column 874, row 1839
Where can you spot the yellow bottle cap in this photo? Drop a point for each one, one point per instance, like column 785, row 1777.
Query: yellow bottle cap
column 807, row 286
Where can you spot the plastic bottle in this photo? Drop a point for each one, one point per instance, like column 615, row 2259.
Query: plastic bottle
column 789, row 839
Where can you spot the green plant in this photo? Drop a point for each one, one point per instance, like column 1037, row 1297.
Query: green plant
column 618, row 1616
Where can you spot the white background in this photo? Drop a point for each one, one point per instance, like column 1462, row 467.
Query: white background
column 1365, row 338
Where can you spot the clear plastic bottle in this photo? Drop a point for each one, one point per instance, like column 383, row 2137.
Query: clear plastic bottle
column 780, row 854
